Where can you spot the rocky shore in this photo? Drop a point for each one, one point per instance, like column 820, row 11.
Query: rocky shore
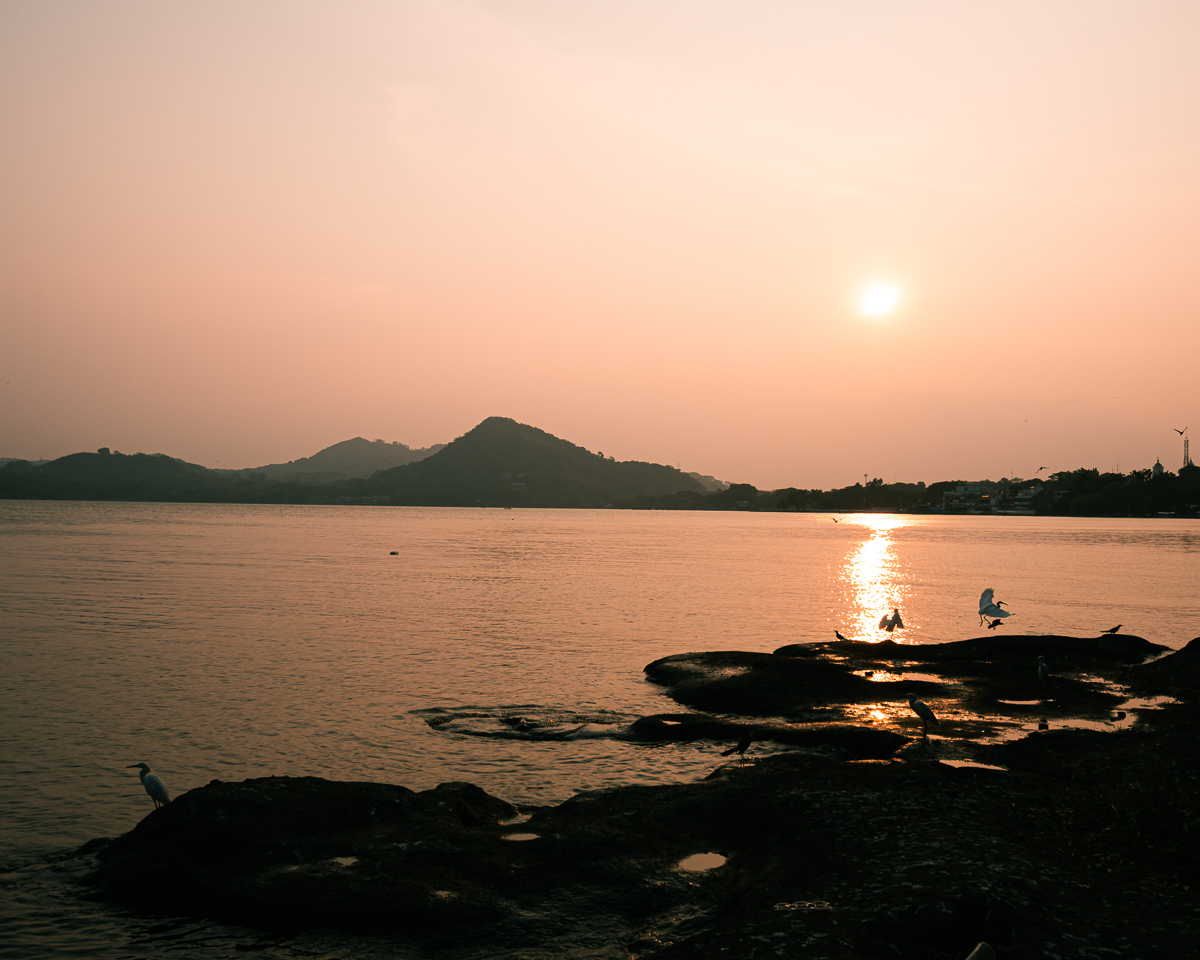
column 854, row 838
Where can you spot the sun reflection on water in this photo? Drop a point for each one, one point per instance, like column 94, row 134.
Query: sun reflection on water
column 872, row 573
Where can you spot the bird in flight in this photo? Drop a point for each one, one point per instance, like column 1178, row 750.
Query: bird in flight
column 921, row 709
column 154, row 786
column 891, row 623
column 1180, row 432
column 1113, row 629
column 989, row 607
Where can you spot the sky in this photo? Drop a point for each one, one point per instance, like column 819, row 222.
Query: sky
column 239, row 232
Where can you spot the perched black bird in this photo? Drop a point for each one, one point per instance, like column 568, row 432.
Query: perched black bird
column 995, row 623
column 1113, row 630
column 741, row 748
column 838, row 635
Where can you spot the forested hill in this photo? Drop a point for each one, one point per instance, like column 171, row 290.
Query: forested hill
column 505, row 463
column 499, row 463
column 344, row 461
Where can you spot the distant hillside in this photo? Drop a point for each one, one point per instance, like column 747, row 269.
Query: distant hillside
column 344, row 461
column 505, row 463
column 108, row 476
column 711, row 484
column 36, row 463
column 500, row 463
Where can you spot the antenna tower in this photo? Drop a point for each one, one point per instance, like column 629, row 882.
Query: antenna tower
column 1187, row 459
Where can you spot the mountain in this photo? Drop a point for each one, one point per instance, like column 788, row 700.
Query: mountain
column 505, row 463
column 108, row 476
column 500, row 462
column 344, row 461
column 711, row 484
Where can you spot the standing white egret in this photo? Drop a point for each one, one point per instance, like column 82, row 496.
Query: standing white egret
column 154, row 786
column 989, row 607
column 1043, row 670
column 921, row 709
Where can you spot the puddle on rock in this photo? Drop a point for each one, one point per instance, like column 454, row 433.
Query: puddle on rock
column 522, row 836
column 702, row 861
column 345, row 861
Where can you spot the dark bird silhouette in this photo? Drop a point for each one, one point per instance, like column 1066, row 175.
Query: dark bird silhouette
column 742, row 746
column 1180, row 432
column 995, row 623
column 989, row 607
column 891, row 623
column 921, row 709
column 1113, row 630
column 835, row 520
column 838, row 635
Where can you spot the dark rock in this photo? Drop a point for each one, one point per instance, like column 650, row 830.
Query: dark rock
column 1084, row 844
column 852, row 742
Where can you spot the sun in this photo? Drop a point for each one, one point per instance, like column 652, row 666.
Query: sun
column 878, row 299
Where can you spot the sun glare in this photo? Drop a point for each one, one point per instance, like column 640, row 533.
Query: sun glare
column 878, row 299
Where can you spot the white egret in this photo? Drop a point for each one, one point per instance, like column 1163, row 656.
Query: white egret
column 1043, row 670
column 921, row 709
column 154, row 786
column 989, row 607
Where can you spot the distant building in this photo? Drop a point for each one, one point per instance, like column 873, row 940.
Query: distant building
column 1157, row 469
column 969, row 498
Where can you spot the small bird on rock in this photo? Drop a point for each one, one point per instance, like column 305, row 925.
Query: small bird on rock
column 742, row 746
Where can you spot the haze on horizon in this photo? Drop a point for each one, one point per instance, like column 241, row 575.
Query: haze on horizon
column 237, row 233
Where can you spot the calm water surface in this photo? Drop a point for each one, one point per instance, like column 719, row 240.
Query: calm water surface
column 231, row 641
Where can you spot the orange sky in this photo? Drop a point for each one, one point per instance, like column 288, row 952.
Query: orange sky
column 240, row 232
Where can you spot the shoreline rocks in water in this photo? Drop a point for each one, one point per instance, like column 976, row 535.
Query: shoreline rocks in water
column 1086, row 846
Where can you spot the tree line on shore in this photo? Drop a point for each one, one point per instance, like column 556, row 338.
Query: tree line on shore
column 502, row 463
column 1082, row 493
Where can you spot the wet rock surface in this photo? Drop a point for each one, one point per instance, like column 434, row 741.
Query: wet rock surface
column 1085, row 845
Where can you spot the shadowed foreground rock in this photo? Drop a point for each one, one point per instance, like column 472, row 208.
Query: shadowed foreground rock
column 1085, row 847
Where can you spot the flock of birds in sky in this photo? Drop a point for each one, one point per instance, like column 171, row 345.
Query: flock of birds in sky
column 991, row 613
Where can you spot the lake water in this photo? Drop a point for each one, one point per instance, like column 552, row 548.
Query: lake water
column 235, row 641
